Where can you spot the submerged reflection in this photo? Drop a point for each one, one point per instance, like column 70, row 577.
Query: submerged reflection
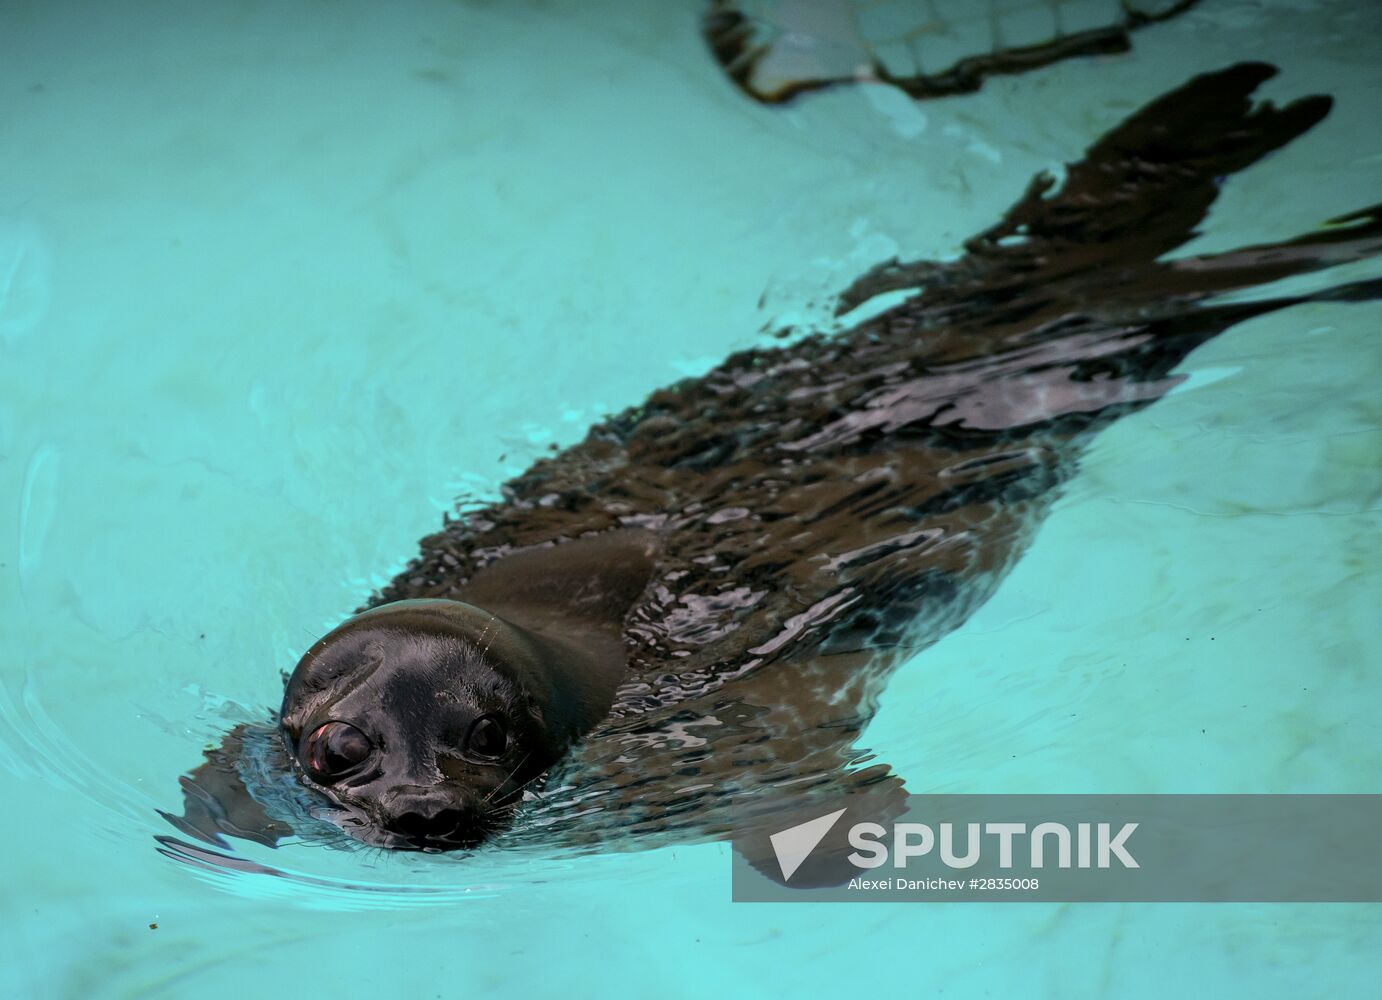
column 774, row 50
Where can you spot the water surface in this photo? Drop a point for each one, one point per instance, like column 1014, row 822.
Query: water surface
column 279, row 285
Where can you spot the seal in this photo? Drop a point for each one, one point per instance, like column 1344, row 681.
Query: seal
column 704, row 598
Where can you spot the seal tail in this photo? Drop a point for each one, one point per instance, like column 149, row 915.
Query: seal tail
column 1139, row 193
column 1142, row 189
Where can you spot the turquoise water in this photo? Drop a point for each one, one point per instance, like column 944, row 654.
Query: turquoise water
column 280, row 282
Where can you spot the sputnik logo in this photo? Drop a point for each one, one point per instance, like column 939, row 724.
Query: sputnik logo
column 795, row 844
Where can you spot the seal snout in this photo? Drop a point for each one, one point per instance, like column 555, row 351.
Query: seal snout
column 429, row 821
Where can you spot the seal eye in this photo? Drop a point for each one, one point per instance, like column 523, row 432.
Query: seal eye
column 487, row 737
column 333, row 750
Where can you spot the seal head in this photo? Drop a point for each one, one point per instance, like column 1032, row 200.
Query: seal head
column 423, row 720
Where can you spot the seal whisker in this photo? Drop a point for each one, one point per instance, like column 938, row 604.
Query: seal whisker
column 511, row 799
column 487, row 637
column 507, row 778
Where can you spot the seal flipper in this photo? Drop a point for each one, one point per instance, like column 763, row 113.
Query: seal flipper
column 738, row 766
column 873, row 795
column 1138, row 193
column 1144, row 187
column 217, row 804
column 830, row 772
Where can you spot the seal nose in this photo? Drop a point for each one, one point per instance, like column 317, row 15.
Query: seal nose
column 428, row 819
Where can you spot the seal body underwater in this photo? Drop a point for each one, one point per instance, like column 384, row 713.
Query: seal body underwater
column 704, row 598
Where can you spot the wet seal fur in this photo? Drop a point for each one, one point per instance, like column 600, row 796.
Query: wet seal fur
column 702, row 601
